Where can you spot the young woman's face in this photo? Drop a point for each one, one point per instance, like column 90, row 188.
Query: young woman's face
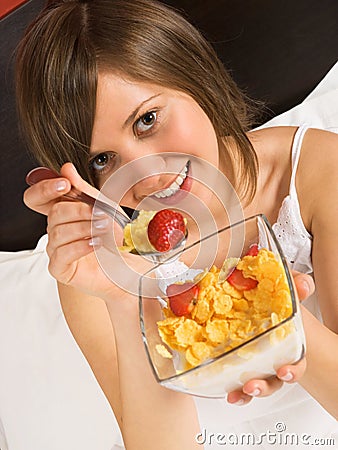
column 136, row 119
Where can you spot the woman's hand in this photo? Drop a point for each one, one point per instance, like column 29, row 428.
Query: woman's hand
column 289, row 373
column 74, row 232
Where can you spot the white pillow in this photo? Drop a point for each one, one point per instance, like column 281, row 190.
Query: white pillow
column 319, row 109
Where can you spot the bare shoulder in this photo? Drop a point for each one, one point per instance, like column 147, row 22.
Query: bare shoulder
column 319, row 158
column 273, row 136
column 317, row 172
column 318, row 143
column 317, row 179
column 317, row 175
column 273, row 145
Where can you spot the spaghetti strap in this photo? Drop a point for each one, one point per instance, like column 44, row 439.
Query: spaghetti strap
column 295, row 153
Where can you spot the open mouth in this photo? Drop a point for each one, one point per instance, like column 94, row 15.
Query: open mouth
column 180, row 183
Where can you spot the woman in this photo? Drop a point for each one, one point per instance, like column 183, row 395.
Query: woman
column 103, row 83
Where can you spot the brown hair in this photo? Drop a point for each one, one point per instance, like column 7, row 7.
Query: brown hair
column 63, row 50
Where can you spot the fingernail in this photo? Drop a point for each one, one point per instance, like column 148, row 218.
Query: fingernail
column 287, row 377
column 95, row 242
column 310, row 285
column 98, row 212
column 239, row 402
column 60, row 185
column 100, row 224
column 306, row 286
column 255, row 392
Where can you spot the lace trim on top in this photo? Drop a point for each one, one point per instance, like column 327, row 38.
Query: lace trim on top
column 289, row 228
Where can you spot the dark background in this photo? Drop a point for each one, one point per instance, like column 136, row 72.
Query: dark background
column 277, row 52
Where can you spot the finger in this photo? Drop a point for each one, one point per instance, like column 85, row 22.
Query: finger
column 304, row 284
column 63, row 260
column 69, row 212
column 262, row 388
column 41, row 196
column 238, row 398
column 292, row 372
column 73, row 213
column 66, row 233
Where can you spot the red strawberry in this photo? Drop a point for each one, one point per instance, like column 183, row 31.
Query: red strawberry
column 166, row 229
column 253, row 250
column 182, row 298
column 237, row 280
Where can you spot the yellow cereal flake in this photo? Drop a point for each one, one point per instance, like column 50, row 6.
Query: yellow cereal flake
column 188, row 332
column 231, row 290
column 202, row 311
column 240, row 304
column 217, row 331
column 197, row 353
column 161, row 350
column 225, row 317
column 274, row 319
column 223, row 304
column 228, row 265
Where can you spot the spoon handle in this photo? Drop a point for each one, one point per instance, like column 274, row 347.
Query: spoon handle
column 44, row 173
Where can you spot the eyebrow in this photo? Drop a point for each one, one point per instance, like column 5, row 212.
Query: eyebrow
column 132, row 116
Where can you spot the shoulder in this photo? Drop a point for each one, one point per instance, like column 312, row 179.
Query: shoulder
column 317, row 175
column 273, row 136
column 317, row 172
column 273, row 148
column 273, row 145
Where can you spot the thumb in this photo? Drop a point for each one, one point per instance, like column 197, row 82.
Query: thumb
column 69, row 171
column 304, row 284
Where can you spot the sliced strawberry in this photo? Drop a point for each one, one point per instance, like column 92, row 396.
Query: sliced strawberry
column 253, row 250
column 166, row 229
column 237, row 280
column 182, row 298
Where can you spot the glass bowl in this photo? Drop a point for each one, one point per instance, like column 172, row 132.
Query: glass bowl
column 232, row 330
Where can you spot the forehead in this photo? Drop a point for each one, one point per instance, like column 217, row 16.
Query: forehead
column 123, row 91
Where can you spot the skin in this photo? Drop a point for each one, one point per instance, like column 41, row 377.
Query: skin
column 181, row 126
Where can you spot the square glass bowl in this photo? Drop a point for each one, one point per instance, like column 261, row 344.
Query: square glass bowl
column 235, row 330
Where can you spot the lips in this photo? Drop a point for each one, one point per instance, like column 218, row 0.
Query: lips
column 177, row 188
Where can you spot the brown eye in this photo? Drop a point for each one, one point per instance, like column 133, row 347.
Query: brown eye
column 102, row 162
column 146, row 122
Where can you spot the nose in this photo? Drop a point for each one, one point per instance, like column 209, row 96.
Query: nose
column 147, row 172
column 142, row 174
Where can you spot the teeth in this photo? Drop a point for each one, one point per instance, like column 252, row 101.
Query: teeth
column 175, row 186
column 179, row 180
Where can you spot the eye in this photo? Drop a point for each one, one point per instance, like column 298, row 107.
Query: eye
column 145, row 122
column 102, row 163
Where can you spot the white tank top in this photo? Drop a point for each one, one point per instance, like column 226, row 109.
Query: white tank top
column 289, row 228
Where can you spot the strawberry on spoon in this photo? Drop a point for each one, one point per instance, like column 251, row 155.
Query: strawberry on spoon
column 166, row 230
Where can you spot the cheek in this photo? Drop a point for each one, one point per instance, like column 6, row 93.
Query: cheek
column 193, row 133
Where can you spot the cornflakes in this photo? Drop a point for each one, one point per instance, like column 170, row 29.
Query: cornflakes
column 224, row 315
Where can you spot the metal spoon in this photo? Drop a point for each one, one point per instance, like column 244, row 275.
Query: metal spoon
column 44, row 173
